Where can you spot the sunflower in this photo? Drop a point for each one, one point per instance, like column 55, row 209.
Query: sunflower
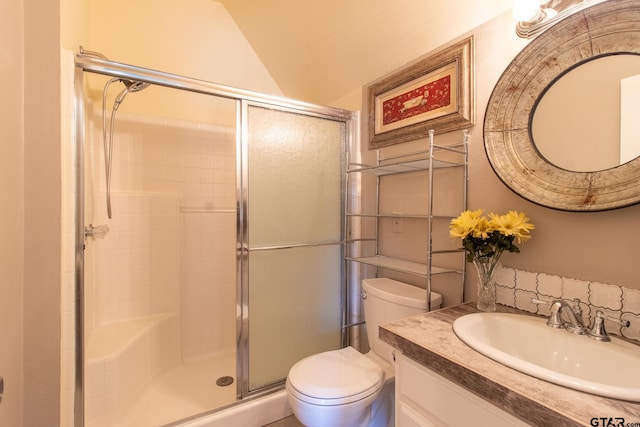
column 483, row 228
column 465, row 224
column 512, row 224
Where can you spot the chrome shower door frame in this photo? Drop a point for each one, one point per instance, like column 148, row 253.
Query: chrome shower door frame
column 351, row 121
column 90, row 63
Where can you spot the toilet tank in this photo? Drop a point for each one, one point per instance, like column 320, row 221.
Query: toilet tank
column 387, row 300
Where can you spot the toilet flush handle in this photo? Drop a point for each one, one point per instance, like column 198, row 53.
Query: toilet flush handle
column 363, row 294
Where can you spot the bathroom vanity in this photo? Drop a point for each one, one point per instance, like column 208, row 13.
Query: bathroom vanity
column 439, row 379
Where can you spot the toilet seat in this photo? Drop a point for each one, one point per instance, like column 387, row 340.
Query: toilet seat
column 335, row 377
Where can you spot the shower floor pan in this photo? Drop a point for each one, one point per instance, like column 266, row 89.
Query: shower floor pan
column 135, row 377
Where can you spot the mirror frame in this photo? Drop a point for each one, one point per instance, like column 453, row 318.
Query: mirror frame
column 608, row 28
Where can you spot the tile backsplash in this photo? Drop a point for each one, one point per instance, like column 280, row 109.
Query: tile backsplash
column 516, row 288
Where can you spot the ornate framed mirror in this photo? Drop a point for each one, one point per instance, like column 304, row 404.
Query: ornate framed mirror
column 607, row 29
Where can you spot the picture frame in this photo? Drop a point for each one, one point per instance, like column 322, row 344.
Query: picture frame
column 436, row 92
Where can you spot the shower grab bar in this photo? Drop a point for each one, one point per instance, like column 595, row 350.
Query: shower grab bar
column 97, row 230
column 299, row 245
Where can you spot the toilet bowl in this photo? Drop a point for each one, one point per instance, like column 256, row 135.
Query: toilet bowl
column 335, row 388
column 345, row 388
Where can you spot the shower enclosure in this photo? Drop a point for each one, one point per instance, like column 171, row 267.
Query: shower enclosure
column 209, row 242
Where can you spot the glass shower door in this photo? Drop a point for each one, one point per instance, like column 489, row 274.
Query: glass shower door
column 293, row 263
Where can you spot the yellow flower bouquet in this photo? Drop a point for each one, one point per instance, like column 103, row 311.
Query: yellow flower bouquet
column 484, row 239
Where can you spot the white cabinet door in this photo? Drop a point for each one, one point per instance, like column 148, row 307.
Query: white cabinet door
column 425, row 399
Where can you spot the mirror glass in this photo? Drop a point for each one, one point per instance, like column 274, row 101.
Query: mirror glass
column 587, row 119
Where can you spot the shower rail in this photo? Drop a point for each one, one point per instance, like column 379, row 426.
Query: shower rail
column 89, row 62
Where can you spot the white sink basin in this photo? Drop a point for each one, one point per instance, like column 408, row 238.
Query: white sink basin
column 527, row 344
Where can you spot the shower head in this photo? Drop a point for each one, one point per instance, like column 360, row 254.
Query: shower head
column 135, row 85
column 130, row 86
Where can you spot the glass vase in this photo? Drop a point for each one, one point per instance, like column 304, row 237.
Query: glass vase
column 486, row 284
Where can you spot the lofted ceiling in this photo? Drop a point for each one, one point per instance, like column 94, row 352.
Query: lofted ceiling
column 323, row 50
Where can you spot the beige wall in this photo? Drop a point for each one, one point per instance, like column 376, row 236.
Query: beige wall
column 30, row 249
column 597, row 247
column 74, row 24
column 318, row 51
column 42, row 213
column 194, row 38
column 11, row 211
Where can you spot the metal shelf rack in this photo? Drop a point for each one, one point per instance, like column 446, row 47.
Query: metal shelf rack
column 431, row 159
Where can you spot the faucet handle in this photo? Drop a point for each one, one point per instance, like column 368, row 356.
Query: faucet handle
column 598, row 331
column 540, row 302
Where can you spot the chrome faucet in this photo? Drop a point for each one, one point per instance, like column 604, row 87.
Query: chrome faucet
column 575, row 323
column 573, row 313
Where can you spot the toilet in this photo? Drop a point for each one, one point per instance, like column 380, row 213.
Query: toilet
column 345, row 388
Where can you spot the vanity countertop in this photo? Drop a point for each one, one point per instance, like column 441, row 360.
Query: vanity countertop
column 429, row 340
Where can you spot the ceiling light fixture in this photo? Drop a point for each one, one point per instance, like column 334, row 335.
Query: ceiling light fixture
column 535, row 16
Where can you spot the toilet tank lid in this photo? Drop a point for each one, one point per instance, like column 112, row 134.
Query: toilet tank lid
column 400, row 293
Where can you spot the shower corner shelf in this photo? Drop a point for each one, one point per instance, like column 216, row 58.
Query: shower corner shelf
column 435, row 157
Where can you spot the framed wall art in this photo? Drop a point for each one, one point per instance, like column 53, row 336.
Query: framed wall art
column 435, row 92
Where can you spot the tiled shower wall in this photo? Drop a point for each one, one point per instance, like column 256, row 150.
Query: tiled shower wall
column 137, row 264
column 172, row 245
column 194, row 161
column 516, row 288
column 208, row 282
column 160, row 284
